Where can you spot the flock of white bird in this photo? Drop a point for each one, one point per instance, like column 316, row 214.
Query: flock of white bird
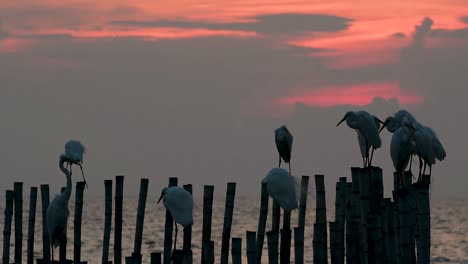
column 409, row 138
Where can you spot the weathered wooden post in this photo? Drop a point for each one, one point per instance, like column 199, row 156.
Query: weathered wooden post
column 275, row 217
column 251, row 247
column 107, row 221
column 63, row 243
column 31, row 224
column 272, row 238
column 209, row 252
column 168, row 227
column 262, row 221
column 10, row 196
column 396, row 225
column 207, row 217
column 136, row 255
column 424, row 219
column 364, row 185
column 375, row 239
column 187, row 244
column 228, row 211
column 355, row 234
column 236, row 250
column 405, row 228
column 45, row 234
column 118, row 219
column 77, row 222
column 298, row 245
column 319, row 243
column 340, row 218
column 285, row 246
column 155, row 257
column 18, row 188
column 334, row 237
column 349, row 233
column 303, row 201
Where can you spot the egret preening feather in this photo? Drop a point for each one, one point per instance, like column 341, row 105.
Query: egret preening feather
column 284, row 140
column 282, row 188
column 401, row 148
column 179, row 202
column 57, row 212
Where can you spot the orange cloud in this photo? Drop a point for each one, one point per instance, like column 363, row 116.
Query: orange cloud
column 356, row 95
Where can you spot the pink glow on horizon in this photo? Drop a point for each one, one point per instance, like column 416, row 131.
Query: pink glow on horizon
column 355, row 95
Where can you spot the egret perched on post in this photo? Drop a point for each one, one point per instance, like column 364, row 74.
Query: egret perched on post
column 284, row 140
column 401, row 148
column 281, row 187
column 365, row 124
column 179, row 202
column 57, row 212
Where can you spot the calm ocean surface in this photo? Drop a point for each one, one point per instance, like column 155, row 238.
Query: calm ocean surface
column 449, row 228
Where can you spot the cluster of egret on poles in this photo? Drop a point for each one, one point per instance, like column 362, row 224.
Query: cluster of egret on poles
column 409, row 138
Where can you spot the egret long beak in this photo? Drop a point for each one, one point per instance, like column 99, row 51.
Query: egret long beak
column 82, row 173
column 384, row 125
column 341, row 121
column 380, row 121
column 160, row 197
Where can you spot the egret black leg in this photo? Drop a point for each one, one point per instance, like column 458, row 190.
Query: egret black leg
column 289, row 164
column 175, row 240
column 420, row 167
column 279, row 163
column 424, row 170
column 410, row 162
column 367, row 154
column 372, row 155
column 364, row 161
column 430, row 170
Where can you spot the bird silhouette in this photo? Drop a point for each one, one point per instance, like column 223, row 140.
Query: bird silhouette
column 179, row 202
column 284, row 140
column 280, row 185
column 401, row 147
column 57, row 212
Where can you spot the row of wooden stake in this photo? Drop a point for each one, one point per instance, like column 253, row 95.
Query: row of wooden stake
column 367, row 227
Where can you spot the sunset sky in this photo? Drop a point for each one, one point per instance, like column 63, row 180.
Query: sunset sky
column 194, row 89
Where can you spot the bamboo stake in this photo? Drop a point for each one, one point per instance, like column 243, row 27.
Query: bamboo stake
column 10, row 196
column 187, row 246
column 303, row 202
column 107, row 221
column 405, row 229
column 155, row 257
column 424, row 220
column 78, row 215
column 236, row 253
column 209, row 252
column 320, row 227
column 356, row 213
column 168, row 227
column 262, row 221
column 298, row 245
column 251, row 247
column 31, row 224
column 272, row 237
column 334, row 237
column 118, row 219
column 140, row 219
column 45, row 234
column 18, row 189
column 228, row 211
column 207, row 218
column 63, row 243
column 349, row 209
column 364, row 204
column 341, row 218
column 285, row 246
column 275, row 217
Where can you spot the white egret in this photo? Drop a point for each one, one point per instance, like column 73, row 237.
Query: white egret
column 284, row 140
column 365, row 124
column 179, row 202
column 281, row 187
column 57, row 212
column 401, row 148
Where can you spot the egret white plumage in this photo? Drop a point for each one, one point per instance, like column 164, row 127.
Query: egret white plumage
column 365, row 124
column 284, row 140
column 281, row 187
column 362, row 141
column 179, row 202
column 401, row 148
column 57, row 212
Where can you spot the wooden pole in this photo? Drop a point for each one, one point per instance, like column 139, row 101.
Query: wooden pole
column 207, row 216
column 118, row 219
column 45, row 234
column 251, row 247
column 10, row 196
column 262, row 221
column 275, row 217
column 348, row 220
column 356, row 214
column 107, row 221
column 155, row 257
column 18, row 188
column 405, row 228
column 209, row 252
column 140, row 220
column 320, row 227
column 424, row 219
column 340, row 219
column 334, row 237
column 272, row 238
column 187, row 244
column 78, row 216
column 228, row 211
column 31, row 224
column 303, row 202
column 386, row 231
column 396, row 225
column 168, row 227
column 285, row 246
column 298, row 245
column 364, row 181
column 63, row 243
column 236, row 250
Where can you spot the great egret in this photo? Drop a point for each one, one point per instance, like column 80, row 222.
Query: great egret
column 281, row 187
column 401, row 148
column 365, row 124
column 362, row 141
column 284, row 140
column 57, row 212
column 179, row 202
